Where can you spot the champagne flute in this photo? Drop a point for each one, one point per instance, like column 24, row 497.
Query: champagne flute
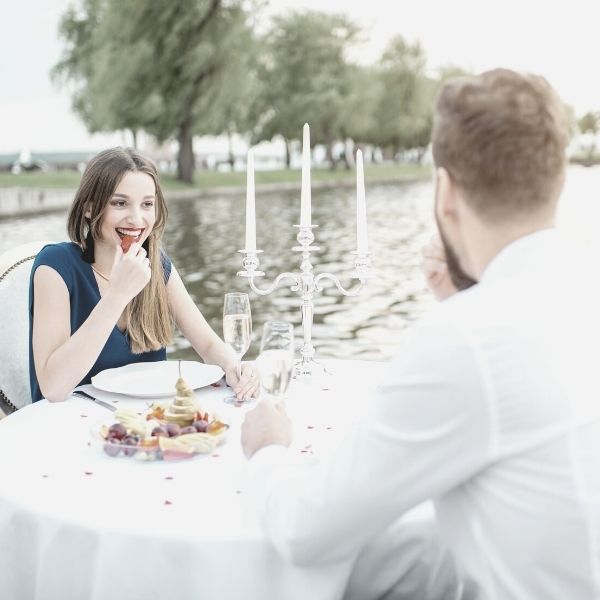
column 237, row 327
column 276, row 360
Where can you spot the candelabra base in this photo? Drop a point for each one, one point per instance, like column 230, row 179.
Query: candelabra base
column 310, row 370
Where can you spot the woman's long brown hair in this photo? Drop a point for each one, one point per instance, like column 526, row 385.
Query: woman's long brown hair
column 148, row 319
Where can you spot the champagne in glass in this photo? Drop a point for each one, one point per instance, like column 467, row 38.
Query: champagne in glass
column 276, row 359
column 237, row 327
column 236, row 332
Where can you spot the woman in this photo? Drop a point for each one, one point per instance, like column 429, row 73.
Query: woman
column 109, row 297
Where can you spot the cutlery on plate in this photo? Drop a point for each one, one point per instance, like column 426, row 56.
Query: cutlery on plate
column 87, row 396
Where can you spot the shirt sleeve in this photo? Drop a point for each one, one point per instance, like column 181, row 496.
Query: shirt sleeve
column 428, row 431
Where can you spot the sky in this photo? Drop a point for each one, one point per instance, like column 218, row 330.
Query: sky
column 558, row 39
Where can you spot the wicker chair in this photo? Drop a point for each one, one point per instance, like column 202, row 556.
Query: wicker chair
column 15, row 271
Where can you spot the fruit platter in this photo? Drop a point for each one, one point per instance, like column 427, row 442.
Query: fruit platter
column 174, row 430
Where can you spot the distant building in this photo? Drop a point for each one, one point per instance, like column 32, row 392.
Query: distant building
column 44, row 161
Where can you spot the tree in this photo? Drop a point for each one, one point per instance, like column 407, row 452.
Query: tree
column 230, row 103
column 359, row 118
column 404, row 109
column 305, row 78
column 152, row 65
column 589, row 124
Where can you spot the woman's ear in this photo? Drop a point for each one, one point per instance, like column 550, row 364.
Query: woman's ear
column 88, row 213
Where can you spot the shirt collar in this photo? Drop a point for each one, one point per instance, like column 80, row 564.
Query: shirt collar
column 516, row 255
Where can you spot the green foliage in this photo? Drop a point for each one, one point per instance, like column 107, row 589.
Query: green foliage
column 179, row 68
column 404, row 108
column 163, row 66
column 589, row 123
column 305, row 77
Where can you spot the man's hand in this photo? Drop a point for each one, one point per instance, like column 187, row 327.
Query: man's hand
column 265, row 425
column 436, row 271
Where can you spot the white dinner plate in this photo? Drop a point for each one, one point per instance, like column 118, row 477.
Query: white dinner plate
column 155, row 379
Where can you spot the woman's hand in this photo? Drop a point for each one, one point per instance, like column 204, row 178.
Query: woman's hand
column 435, row 269
column 130, row 272
column 246, row 386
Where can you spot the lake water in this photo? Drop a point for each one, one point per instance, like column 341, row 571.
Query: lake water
column 203, row 237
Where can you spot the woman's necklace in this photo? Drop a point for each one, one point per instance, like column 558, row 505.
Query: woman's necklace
column 100, row 274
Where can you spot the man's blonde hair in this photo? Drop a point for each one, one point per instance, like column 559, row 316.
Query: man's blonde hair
column 502, row 137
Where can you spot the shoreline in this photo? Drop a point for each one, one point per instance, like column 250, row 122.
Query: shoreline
column 26, row 201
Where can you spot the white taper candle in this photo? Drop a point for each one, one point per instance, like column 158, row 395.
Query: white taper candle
column 250, row 208
column 305, row 208
column 362, row 244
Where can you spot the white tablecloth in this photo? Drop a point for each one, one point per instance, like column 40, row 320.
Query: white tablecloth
column 77, row 524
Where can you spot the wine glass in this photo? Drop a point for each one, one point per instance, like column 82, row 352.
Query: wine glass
column 276, row 360
column 237, row 327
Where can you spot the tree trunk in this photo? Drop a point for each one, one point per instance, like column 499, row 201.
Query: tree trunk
column 134, row 138
column 348, row 155
column 329, row 156
column 185, row 154
column 230, row 149
column 288, row 154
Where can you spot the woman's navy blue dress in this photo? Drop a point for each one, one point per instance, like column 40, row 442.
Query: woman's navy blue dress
column 66, row 259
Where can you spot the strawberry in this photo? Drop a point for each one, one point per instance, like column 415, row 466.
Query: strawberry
column 126, row 242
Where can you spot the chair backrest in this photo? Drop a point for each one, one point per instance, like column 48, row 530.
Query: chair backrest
column 15, row 270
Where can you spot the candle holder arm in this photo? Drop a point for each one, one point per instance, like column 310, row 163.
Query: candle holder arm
column 275, row 284
column 336, row 281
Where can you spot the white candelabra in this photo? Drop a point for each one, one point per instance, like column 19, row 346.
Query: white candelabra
column 305, row 282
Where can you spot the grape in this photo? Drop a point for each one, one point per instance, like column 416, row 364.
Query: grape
column 112, row 448
column 131, row 442
column 200, row 426
column 188, row 429
column 117, row 431
column 159, row 431
column 173, row 429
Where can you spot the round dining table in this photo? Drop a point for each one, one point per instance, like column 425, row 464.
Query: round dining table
column 78, row 524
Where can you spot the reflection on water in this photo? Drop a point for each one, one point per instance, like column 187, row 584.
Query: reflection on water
column 203, row 237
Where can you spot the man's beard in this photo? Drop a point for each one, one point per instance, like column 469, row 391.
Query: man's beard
column 459, row 278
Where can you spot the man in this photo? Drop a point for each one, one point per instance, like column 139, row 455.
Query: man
column 492, row 407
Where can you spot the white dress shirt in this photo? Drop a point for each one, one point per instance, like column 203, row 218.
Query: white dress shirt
column 492, row 409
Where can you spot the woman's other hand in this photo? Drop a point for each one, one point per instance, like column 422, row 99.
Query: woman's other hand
column 246, row 386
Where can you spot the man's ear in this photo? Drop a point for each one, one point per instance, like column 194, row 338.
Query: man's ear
column 446, row 193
